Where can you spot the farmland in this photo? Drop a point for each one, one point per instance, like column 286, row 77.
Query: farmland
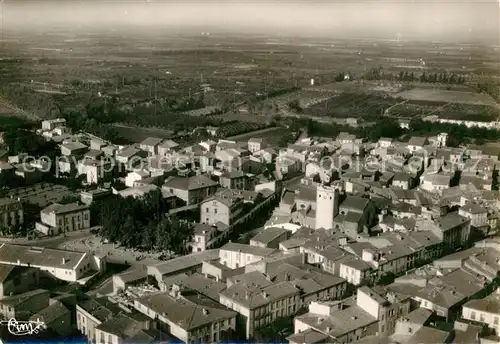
column 365, row 105
column 153, row 78
column 445, row 96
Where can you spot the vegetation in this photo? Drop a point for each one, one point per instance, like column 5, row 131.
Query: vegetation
column 20, row 139
column 442, row 77
column 142, row 223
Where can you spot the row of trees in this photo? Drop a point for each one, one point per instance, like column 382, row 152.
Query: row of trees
column 141, row 223
column 442, row 78
column 437, row 77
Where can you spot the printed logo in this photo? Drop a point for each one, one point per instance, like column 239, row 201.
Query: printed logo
column 23, row 328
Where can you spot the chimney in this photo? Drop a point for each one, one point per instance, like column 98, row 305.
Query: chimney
column 205, row 311
column 64, row 261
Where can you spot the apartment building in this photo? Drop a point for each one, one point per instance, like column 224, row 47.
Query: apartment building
column 386, row 306
column 486, row 311
column 92, row 313
column 191, row 190
column 234, row 255
column 189, row 316
column 60, row 218
column 258, row 301
column 225, row 206
column 21, row 307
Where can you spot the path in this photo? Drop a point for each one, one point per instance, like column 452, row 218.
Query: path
column 253, row 133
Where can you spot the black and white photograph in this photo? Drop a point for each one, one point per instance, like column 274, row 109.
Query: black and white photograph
column 250, row 171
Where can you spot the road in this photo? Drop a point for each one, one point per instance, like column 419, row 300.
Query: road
column 253, row 133
column 54, row 242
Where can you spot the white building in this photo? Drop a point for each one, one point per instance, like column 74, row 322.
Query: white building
column 235, row 255
column 486, row 311
column 52, row 124
column 478, row 215
column 135, row 176
column 435, row 182
column 70, row 266
column 327, row 206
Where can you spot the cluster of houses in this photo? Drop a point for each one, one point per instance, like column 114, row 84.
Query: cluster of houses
column 368, row 242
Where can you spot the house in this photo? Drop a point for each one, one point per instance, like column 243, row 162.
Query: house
column 11, row 213
column 127, row 326
column 134, row 176
column 256, row 144
column 167, row 146
column 338, row 324
column 345, row 138
column 453, row 229
column 235, row 180
column 74, row 148
column 485, row 311
column 402, row 180
column 359, row 205
column 93, row 312
column 189, row 316
column 21, row 307
column 416, row 144
column 97, row 144
column 478, row 215
column 446, row 294
column 17, row 280
column 236, row 255
column 95, row 170
column 70, row 266
column 270, row 237
column 51, row 124
column 384, row 142
column 192, row 190
column 204, row 233
column 60, row 218
column 55, row 316
column 356, row 271
column 435, row 182
column 87, row 197
column 259, row 301
column 225, row 206
column 130, row 156
column 137, row 192
column 150, row 145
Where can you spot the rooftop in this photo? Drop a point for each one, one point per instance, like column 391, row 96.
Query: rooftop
column 188, row 311
column 190, row 183
column 39, row 257
column 247, row 249
column 64, row 208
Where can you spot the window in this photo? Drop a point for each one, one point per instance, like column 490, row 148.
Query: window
column 215, row 211
column 207, row 210
column 473, row 315
column 481, row 317
column 495, row 320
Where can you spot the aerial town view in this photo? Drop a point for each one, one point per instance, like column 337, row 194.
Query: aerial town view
column 250, row 171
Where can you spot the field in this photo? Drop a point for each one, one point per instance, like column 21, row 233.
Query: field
column 67, row 69
column 344, row 105
column 445, row 96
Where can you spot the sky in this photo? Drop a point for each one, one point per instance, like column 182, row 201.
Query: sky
column 430, row 20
